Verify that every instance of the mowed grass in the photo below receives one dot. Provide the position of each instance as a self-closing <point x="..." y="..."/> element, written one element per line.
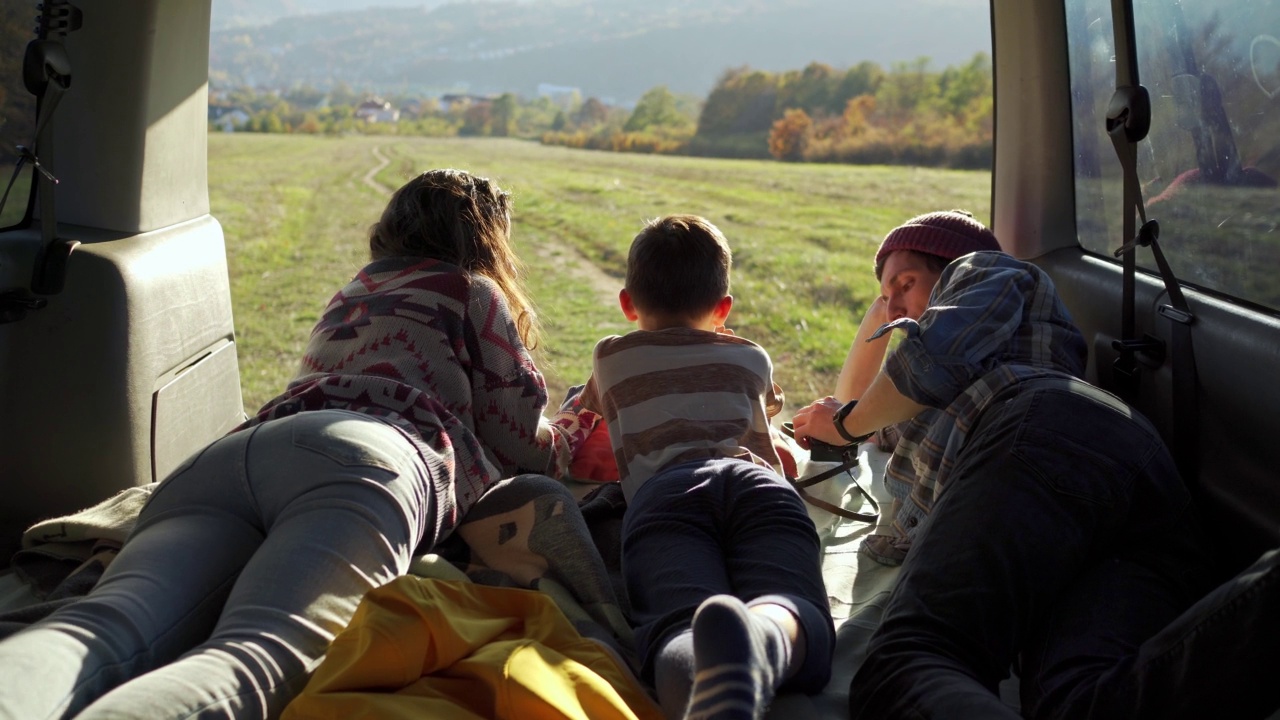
<point x="296" y="211"/>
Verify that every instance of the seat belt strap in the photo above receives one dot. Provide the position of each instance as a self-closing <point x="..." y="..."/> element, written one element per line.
<point x="46" y="72"/>
<point x="1127" y="123"/>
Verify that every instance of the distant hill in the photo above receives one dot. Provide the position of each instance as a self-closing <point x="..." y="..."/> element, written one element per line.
<point x="613" y="49"/>
<point x="248" y="13"/>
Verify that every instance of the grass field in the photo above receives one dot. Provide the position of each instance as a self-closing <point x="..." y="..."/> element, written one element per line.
<point x="296" y="210"/>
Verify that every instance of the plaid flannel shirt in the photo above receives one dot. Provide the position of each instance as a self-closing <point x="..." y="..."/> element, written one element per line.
<point x="993" y="322"/>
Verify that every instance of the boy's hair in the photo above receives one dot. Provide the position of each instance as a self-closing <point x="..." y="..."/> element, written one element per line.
<point x="678" y="266"/>
<point x="464" y="220"/>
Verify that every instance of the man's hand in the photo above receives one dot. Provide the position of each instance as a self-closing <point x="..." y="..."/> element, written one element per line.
<point x="877" y="313"/>
<point x="816" y="420"/>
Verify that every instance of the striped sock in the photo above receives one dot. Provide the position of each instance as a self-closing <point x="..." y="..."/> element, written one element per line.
<point x="739" y="660"/>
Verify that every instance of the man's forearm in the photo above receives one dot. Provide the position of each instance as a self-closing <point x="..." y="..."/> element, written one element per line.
<point x="865" y="356"/>
<point x="881" y="406"/>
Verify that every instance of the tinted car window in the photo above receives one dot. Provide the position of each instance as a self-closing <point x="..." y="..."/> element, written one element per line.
<point x="1210" y="165"/>
<point x="17" y="106"/>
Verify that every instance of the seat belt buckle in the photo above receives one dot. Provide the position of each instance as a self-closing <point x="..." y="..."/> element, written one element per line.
<point x="1176" y="315"/>
<point x="1150" y="347"/>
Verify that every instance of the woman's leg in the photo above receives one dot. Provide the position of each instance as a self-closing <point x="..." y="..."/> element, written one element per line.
<point x="343" y="500"/>
<point x="158" y="598"/>
<point x="340" y="499"/>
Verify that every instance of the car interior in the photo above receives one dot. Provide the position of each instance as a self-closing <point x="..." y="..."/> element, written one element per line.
<point x="1136" y="160"/>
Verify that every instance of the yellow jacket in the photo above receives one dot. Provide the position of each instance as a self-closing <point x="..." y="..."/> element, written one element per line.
<point x="424" y="648"/>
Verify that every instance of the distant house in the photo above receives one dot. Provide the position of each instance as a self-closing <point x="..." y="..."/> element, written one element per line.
<point x="377" y="111"/>
<point x="228" y="118"/>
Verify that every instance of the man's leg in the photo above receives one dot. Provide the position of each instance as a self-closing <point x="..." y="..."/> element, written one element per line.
<point x="1041" y="491"/>
<point x="1217" y="659"/>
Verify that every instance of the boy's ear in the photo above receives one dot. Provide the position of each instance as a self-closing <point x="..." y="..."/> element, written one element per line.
<point x="721" y="313"/>
<point x="628" y="307"/>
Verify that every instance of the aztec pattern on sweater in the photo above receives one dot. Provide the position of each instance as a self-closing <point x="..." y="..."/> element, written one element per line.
<point x="435" y="352"/>
<point x="675" y="395"/>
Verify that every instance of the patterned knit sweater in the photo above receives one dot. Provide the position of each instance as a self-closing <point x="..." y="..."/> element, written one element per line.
<point x="434" y="351"/>
<point x="676" y="395"/>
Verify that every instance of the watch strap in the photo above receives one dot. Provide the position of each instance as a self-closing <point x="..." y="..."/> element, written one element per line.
<point x="838" y="419"/>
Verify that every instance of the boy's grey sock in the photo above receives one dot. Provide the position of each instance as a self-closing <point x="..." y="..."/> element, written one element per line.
<point x="740" y="659"/>
<point x="673" y="674"/>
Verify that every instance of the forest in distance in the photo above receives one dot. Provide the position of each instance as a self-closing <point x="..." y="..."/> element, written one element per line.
<point x="908" y="113"/>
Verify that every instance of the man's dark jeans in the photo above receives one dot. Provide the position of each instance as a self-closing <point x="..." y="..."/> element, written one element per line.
<point x="1065" y="534"/>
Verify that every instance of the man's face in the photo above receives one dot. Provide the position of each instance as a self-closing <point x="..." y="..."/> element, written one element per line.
<point x="906" y="283"/>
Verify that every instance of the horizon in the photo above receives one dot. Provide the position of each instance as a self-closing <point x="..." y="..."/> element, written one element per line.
<point x="617" y="51"/>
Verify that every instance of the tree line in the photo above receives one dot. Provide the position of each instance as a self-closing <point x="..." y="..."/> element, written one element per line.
<point x="907" y="113"/>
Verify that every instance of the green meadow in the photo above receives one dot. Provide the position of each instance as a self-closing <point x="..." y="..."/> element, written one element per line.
<point x="296" y="211"/>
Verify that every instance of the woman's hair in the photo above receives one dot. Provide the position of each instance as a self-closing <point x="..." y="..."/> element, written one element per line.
<point x="458" y="218"/>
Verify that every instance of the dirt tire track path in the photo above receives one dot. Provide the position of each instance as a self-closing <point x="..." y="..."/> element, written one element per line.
<point x="371" y="178"/>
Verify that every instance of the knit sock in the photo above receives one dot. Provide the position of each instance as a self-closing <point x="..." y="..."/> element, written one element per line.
<point x="740" y="658"/>
<point x="673" y="674"/>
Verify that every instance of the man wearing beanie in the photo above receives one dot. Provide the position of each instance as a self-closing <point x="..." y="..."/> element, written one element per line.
<point x="1052" y="532"/>
<point x="908" y="264"/>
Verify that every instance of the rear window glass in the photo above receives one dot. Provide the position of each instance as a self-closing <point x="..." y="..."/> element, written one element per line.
<point x="1210" y="165"/>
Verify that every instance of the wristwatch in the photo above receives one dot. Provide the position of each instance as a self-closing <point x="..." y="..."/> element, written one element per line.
<point x="838" y="419"/>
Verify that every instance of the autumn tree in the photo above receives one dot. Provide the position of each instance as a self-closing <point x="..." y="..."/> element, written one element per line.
<point x="789" y="135"/>
<point x="477" y="119"/>
<point x="342" y="94"/>
<point x="813" y="90"/>
<point x="502" y="115"/>
<point x="906" y="89"/>
<point x="310" y="124"/>
<point x="742" y="101"/>
<point x="591" y="113"/>
<point x="657" y="108"/>
<point x="857" y="113"/>
<point x="861" y="79"/>
<point x="304" y="96"/>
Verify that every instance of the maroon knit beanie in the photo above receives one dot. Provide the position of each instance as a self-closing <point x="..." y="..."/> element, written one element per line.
<point x="947" y="234"/>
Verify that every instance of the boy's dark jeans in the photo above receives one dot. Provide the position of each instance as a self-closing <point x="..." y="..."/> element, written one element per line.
<point x="1065" y="533"/>
<point x="723" y="526"/>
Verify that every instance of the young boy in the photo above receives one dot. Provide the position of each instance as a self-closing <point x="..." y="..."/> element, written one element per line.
<point x="719" y="555"/>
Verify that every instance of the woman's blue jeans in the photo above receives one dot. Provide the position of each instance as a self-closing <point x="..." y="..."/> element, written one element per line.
<point x="243" y="566"/>
<point x="1065" y="540"/>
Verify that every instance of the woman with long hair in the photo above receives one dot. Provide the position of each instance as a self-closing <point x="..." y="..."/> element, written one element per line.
<point x="416" y="393"/>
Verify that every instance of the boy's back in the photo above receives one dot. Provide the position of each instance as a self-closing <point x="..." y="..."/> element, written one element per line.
<point x="679" y="394"/>
<point x="719" y="555"/>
